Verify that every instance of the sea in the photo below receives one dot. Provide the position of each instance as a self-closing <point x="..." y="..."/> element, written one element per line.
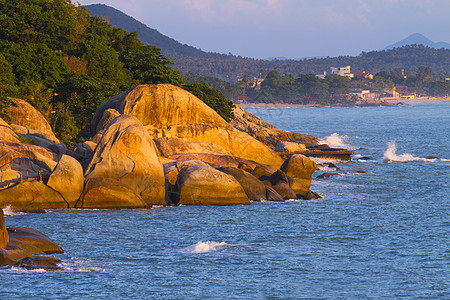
<point x="381" y="230"/>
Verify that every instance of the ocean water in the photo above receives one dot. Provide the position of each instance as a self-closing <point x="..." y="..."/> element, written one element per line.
<point x="379" y="234"/>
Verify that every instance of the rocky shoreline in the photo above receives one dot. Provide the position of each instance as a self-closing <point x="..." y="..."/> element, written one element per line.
<point x="152" y="145"/>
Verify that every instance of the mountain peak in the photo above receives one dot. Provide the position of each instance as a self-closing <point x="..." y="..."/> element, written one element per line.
<point x="418" y="39"/>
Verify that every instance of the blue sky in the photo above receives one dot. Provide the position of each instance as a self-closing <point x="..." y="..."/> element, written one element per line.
<point x="290" y="28"/>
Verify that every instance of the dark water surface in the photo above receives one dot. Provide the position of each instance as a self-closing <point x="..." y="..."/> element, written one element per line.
<point x="379" y="234"/>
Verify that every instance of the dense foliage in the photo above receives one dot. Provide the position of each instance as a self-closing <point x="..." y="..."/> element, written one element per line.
<point x="65" y="62"/>
<point x="213" y="98"/>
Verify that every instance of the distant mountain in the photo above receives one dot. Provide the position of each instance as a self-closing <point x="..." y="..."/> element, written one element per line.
<point x="418" y="39"/>
<point x="169" y="46"/>
<point x="230" y="67"/>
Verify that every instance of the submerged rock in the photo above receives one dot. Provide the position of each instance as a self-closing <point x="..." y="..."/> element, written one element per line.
<point x="326" y="175"/>
<point x="38" y="262"/>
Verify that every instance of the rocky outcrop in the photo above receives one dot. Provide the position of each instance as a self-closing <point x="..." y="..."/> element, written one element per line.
<point x="172" y="113"/>
<point x="267" y="133"/>
<point x="160" y="106"/>
<point x="300" y="168"/>
<point x="25" y="115"/>
<point x="67" y="179"/>
<point x="108" y="193"/>
<point x="206" y="186"/>
<point x="126" y="153"/>
<point x="234" y="142"/>
<point x="18" y="244"/>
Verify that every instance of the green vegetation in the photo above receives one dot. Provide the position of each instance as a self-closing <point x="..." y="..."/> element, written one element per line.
<point x="213" y="98"/>
<point x="65" y="62"/>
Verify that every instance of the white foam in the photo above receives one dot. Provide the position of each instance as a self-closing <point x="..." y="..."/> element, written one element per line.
<point x="8" y="211"/>
<point x="336" y="140"/>
<point x="205" y="247"/>
<point x="390" y="155"/>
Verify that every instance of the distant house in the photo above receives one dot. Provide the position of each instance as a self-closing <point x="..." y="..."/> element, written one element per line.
<point x="364" y="74"/>
<point x="363" y="94"/>
<point x="342" y="71"/>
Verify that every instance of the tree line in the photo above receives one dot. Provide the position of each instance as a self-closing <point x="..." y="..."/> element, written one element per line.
<point x="65" y="62"/>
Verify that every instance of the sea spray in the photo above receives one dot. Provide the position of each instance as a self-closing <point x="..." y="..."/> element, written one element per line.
<point x="335" y="140"/>
<point x="391" y="155"/>
<point x="204" y="247"/>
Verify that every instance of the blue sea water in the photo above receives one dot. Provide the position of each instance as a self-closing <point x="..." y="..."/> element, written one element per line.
<point x="379" y="234"/>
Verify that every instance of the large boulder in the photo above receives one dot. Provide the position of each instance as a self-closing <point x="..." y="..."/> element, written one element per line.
<point x="25" y="157"/>
<point x="172" y="169"/>
<point x="160" y="106"/>
<point x="4" y="237"/>
<point x="300" y="168"/>
<point x="224" y="161"/>
<point x="234" y="142"/>
<point x="284" y="191"/>
<point x="169" y="111"/>
<point x="23" y="114"/>
<point x="108" y="115"/>
<point x="127" y="154"/>
<point x="107" y="193"/>
<point x="67" y="179"/>
<point x="6" y="132"/>
<point x="198" y="185"/>
<point x="31" y="195"/>
<point x="254" y="189"/>
<point x="173" y="145"/>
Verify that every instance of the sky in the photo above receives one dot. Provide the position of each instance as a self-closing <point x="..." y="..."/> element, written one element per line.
<point x="290" y="28"/>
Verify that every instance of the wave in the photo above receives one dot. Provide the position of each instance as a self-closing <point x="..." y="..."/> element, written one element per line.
<point x="336" y="140"/>
<point x="8" y="211"/>
<point x="390" y="155"/>
<point x="205" y="247"/>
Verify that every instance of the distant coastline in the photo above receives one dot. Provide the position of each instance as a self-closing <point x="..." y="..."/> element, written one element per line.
<point x="390" y="101"/>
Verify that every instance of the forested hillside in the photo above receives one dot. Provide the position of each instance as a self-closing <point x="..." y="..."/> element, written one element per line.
<point x="65" y="62"/>
<point x="230" y="67"/>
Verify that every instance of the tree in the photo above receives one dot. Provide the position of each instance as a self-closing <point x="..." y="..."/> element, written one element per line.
<point x="213" y="98"/>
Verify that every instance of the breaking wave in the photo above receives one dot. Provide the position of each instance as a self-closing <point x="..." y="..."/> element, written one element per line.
<point x="205" y="247"/>
<point x="390" y="155"/>
<point x="8" y="211"/>
<point x="336" y="140"/>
